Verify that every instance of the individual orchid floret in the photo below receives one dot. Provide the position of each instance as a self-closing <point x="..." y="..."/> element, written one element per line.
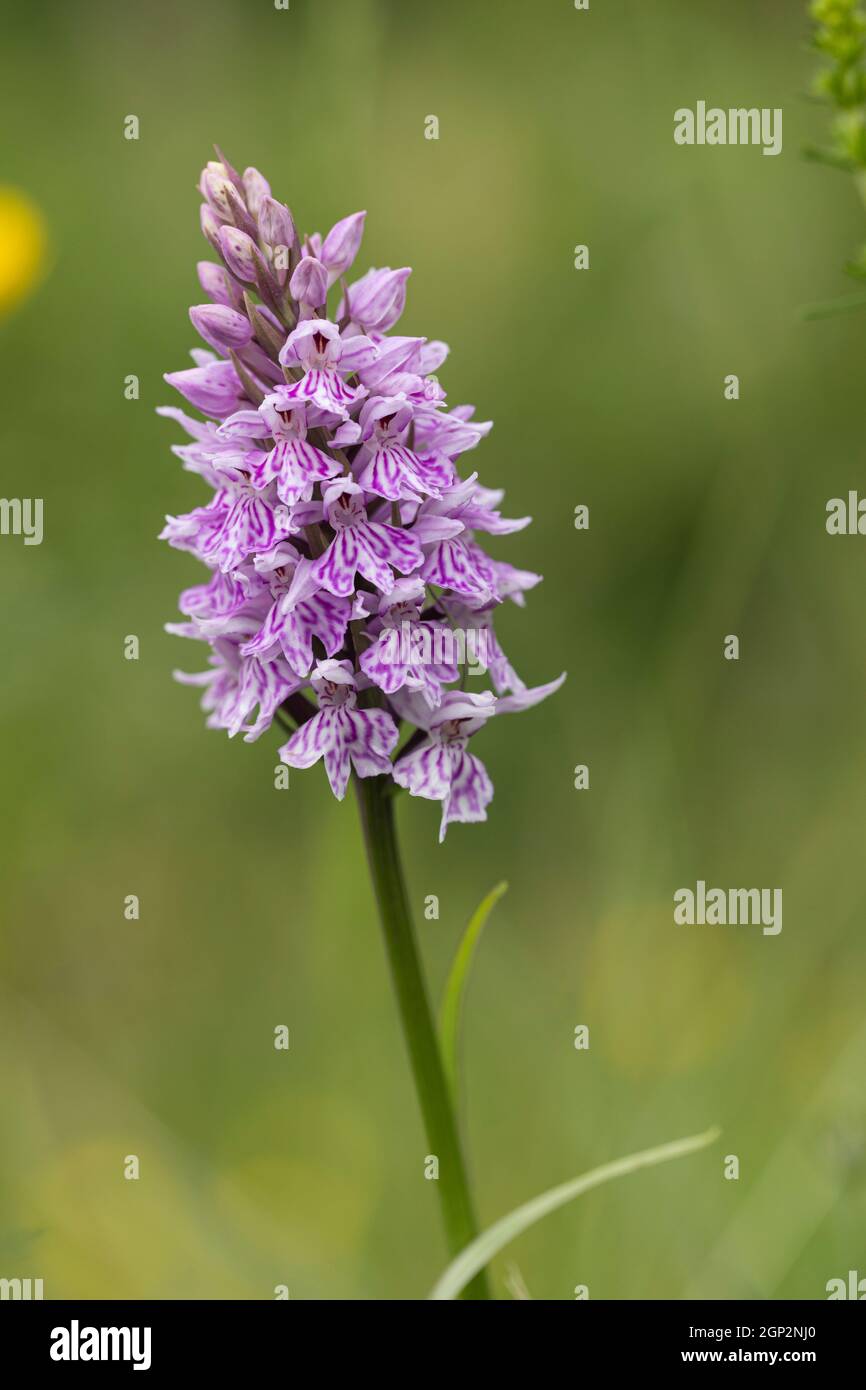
<point x="235" y="685"/>
<point x="275" y="223"/>
<point x="256" y="189"/>
<point x="198" y="456"/>
<point x="476" y="509"/>
<point x="452" y="559"/>
<point x="301" y="611"/>
<point x="294" y="465"/>
<point x="252" y="523"/>
<point x="239" y="521"/>
<point x="220" y="599"/>
<point x="392" y="373"/>
<point x="441" y="768"/>
<point x="277" y="232"/>
<point x="219" y="451"/>
<point x="326" y="358"/>
<point x="197" y="531"/>
<point x="408" y="651"/>
<point x="479" y="621"/>
<point x="449" y="434"/>
<point x="376" y="301"/>
<point x="223" y="190"/>
<point x="345" y="736"/>
<point x="431" y="356"/>
<point x="309" y="283"/>
<point x="385" y="466"/>
<point x="223" y="328"/>
<point x="341" y="245"/>
<point x="216" y="187"/>
<point x="219" y="286"/>
<point x="242" y="256"/>
<point x="369" y="548"/>
<point x="512" y="583"/>
<point x="211" y="226"/>
<point x="212" y="386"/>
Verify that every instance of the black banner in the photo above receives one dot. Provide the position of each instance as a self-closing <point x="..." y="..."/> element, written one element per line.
<point x="69" y="1338"/>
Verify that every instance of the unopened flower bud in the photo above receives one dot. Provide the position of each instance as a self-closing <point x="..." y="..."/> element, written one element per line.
<point x="212" y="170"/>
<point x="210" y="225"/>
<point x="220" y="326"/>
<point x="256" y="188"/>
<point x="218" y="285"/>
<point x="240" y="217"/>
<point x="229" y="171"/>
<point x="215" y="187"/>
<point x="309" y="283"/>
<point x="275" y="222"/>
<point x="240" y="253"/>
<point x="340" y="246"/>
<point x="376" y="301"/>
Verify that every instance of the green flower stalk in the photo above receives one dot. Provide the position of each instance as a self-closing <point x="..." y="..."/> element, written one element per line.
<point x="416" y="1016"/>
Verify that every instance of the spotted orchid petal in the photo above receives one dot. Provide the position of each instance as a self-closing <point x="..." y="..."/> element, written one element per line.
<point x="340" y="733"/>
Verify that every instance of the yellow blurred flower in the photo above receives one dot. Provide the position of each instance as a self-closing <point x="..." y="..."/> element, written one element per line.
<point x="23" y="247"/>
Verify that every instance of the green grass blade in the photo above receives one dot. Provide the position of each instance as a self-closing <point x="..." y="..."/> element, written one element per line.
<point x="502" y="1232"/>
<point x="455" y="988"/>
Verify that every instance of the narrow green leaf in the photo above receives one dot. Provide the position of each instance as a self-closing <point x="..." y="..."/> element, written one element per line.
<point x="482" y="1250"/>
<point x="455" y="988"/>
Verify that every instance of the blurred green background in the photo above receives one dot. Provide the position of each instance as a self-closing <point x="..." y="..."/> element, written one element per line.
<point x="707" y="517"/>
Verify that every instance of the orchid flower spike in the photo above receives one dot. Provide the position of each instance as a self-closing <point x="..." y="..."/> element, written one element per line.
<point x="350" y="596"/>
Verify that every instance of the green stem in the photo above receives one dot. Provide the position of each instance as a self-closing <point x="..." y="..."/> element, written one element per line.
<point x="377" y="817"/>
